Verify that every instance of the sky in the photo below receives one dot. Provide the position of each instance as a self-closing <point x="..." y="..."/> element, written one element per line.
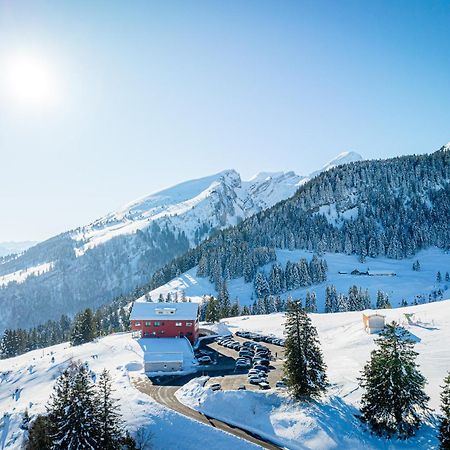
<point x="103" y="102"/>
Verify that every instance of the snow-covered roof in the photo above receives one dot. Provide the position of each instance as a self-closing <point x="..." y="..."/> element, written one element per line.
<point x="166" y="349"/>
<point x="164" y="311"/>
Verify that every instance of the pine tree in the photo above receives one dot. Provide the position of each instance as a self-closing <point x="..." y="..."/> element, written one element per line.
<point x="304" y="366"/>
<point x="447" y="277"/>
<point x="438" y="277"/>
<point x="212" y="313"/>
<point x="39" y="434"/>
<point x="85" y="328"/>
<point x="394" y="400"/>
<point x="310" y="302"/>
<point x="110" y="426"/>
<point x="444" y="428"/>
<point x="73" y="411"/>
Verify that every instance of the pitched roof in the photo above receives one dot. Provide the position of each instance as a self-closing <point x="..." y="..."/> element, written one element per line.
<point x="164" y="311"/>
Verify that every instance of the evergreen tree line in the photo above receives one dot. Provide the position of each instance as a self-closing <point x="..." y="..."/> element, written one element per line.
<point x="292" y="276"/>
<point x="415" y="215"/>
<point x="80" y="415"/>
<point x="85" y="326"/>
<point x="393" y="403"/>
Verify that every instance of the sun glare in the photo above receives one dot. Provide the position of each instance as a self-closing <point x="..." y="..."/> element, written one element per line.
<point x="29" y="81"/>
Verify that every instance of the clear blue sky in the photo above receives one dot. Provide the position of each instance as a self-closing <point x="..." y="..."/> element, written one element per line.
<point x="153" y="93"/>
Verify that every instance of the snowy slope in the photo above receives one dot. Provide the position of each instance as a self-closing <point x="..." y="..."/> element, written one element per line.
<point x="407" y="284"/>
<point x="33" y="374"/>
<point x="339" y="160"/>
<point x="90" y="265"/>
<point x="330" y="423"/>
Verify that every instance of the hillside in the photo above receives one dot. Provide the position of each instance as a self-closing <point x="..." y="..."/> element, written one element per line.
<point x="388" y="208"/>
<point x="406" y="285"/>
<point x="92" y="264"/>
<point x="330" y="423"/>
<point x="26" y="382"/>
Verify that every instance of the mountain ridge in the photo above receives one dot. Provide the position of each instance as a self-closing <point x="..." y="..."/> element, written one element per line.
<point x="109" y="257"/>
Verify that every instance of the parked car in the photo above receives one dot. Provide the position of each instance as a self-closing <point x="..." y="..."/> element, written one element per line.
<point x="261" y="367"/>
<point x="264" y="385"/>
<point x="255" y="380"/>
<point x="281" y="384"/>
<point x="243" y="364"/>
<point x="263" y="361"/>
<point x="216" y="387"/>
<point x="204" y="360"/>
<point x="242" y="387"/>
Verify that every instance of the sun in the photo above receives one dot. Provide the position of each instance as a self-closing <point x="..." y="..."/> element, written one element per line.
<point x="29" y="81"/>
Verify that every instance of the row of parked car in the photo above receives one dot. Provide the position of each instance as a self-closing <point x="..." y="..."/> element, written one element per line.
<point x="260" y="337"/>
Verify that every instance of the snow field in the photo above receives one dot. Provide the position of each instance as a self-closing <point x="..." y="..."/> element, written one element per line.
<point x="33" y="375"/>
<point x="331" y="422"/>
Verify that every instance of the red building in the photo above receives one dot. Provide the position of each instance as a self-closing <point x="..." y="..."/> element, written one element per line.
<point x="163" y="320"/>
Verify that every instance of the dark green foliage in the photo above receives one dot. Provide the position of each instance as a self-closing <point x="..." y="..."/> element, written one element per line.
<point x="81" y="415"/>
<point x="84" y="328"/>
<point x="110" y="426"/>
<point x="212" y="310"/>
<point x="444" y="428"/>
<point x="394" y="401"/>
<point x="304" y="367"/>
<point x="39" y="434"/>
<point x="73" y="410"/>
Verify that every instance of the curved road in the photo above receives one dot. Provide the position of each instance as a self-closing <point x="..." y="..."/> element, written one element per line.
<point x="165" y="395"/>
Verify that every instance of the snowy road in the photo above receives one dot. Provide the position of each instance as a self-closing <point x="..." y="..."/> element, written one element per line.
<point x="165" y="395"/>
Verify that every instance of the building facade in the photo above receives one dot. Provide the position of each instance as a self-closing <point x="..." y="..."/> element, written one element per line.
<point x="166" y="320"/>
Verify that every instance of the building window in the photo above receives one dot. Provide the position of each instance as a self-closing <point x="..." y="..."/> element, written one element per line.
<point x="147" y="324"/>
<point x="157" y="324"/>
<point x="137" y="324"/>
<point x="189" y="324"/>
<point x="178" y="324"/>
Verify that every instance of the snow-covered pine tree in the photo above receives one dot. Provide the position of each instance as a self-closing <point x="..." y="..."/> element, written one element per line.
<point x="262" y="287"/>
<point x="304" y="366"/>
<point x="342" y="303"/>
<point x="438" y="277"/>
<point x="311" y="302"/>
<point x="382" y="300"/>
<point x="444" y="428"/>
<point x="110" y="424"/>
<point x="73" y="411"/>
<point x="394" y="400"/>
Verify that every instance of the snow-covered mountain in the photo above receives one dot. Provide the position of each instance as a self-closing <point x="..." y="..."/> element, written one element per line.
<point x="339" y="160"/>
<point x="118" y="252"/>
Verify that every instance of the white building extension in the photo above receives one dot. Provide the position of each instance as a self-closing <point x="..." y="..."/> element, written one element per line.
<point x="169" y="355"/>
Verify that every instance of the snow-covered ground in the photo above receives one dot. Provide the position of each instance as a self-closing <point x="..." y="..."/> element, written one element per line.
<point x="330" y="423"/>
<point x="21" y="275"/>
<point x="407" y="284"/>
<point x="27" y="381"/>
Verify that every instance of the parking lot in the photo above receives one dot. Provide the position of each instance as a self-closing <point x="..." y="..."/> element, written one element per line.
<point x="239" y="377"/>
